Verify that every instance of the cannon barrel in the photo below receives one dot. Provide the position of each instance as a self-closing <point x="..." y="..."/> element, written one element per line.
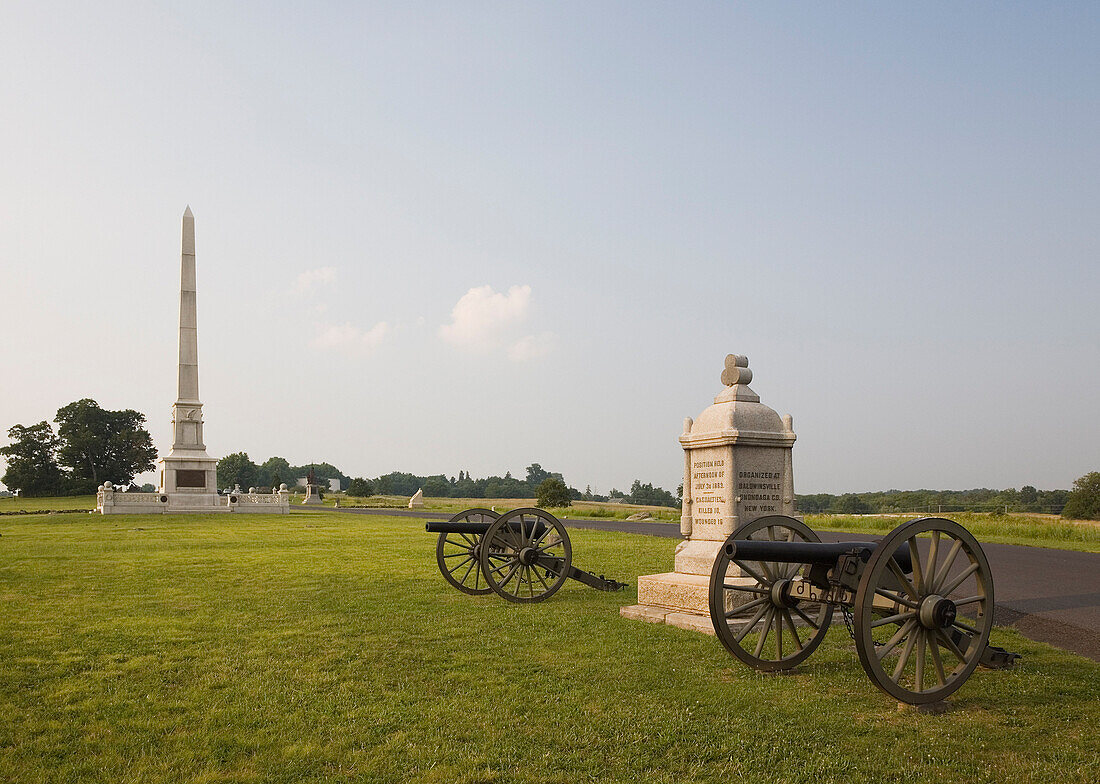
<point x="478" y="529"/>
<point x="457" y="528"/>
<point x="823" y="553"/>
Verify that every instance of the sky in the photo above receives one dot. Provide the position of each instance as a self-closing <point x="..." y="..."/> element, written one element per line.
<point x="435" y="237"/>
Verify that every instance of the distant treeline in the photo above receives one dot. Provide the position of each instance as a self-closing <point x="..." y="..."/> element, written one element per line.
<point x="466" y="486"/>
<point x="239" y="470"/>
<point x="1026" y="499"/>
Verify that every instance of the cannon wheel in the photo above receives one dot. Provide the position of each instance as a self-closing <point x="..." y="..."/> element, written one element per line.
<point x="458" y="555"/>
<point x="920" y="635"/>
<point x="510" y="548"/>
<point x="761" y="631"/>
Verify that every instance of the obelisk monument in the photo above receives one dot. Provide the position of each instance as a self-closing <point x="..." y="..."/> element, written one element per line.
<point x="189" y="476"/>
<point x="188" y="469"/>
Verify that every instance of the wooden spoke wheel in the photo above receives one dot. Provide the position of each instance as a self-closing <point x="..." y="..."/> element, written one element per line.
<point x="756" y="618"/>
<point x="459" y="555"/>
<point x="920" y="634"/>
<point x="526" y="555"/>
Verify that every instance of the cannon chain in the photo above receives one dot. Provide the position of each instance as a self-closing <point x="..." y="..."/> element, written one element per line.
<point x="919" y="604"/>
<point x="523" y="556"/>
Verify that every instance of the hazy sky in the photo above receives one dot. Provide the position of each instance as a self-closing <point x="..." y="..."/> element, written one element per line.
<point x="437" y="236"/>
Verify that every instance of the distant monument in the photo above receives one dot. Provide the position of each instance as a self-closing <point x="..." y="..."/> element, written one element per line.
<point x="188" y="475"/>
<point x="313" y="490"/>
<point x="417" y="501"/>
<point x="737" y="467"/>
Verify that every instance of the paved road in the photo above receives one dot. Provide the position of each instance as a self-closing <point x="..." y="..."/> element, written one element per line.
<point x="1049" y="595"/>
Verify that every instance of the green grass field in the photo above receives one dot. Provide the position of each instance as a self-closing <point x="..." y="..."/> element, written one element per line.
<point x="61" y="503"/>
<point x="1031" y="530"/>
<point x="326" y="647"/>
<point x="596" y="509"/>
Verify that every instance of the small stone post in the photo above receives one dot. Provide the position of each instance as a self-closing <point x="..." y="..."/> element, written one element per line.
<point x="105" y="498"/>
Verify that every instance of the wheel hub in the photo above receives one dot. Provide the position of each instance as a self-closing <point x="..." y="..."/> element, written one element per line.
<point x="780" y="594"/>
<point x="937" y="612"/>
<point x="528" y="555"/>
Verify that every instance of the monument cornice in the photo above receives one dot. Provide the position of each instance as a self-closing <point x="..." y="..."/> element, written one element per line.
<point x="734" y="436"/>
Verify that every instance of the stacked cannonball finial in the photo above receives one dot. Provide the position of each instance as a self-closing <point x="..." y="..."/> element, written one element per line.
<point x="737" y="370"/>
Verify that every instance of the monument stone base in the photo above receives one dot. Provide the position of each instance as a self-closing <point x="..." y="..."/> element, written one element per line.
<point x="682" y="598"/>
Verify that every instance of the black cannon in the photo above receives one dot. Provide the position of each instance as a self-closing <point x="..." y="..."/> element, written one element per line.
<point x="523" y="555"/>
<point x="919" y="604"/>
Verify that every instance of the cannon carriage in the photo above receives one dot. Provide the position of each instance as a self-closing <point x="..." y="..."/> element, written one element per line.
<point x="523" y="556"/>
<point x="919" y="603"/>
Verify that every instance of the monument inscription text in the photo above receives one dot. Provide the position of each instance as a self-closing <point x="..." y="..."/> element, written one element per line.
<point x="710" y="485"/>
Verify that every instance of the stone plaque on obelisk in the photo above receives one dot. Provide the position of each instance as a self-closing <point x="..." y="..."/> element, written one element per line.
<point x="737" y="467"/>
<point x="187" y="468"/>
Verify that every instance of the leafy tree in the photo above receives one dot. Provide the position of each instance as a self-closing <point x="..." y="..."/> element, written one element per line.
<point x="815" y="503"/>
<point x="1084" y="499"/>
<point x="361" y="487"/>
<point x="650" y="495"/>
<point x="98" y="445"/>
<point x="322" y="472"/>
<point x="276" y="471"/>
<point x="536" y="475"/>
<point x="436" y="487"/>
<point x="398" y="483"/>
<point x="552" y="492"/>
<point x="1029" y="498"/>
<point x="32" y="460"/>
<point x="850" y="503"/>
<point x="237" y="469"/>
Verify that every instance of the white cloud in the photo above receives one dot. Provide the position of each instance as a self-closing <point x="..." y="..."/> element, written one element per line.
<point x="482" y="318"/>
<point x="347" y="337"/>
<point x="532" y="347"/>
<point x="311" y="279"/>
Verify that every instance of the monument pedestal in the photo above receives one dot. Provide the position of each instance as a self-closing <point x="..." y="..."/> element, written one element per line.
<point x="682" y="598"/>
<point x="313" y="495"/>
<point x="737" y="467"/>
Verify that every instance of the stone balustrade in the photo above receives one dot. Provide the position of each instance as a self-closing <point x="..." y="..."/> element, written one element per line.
<point x="112" y="501"/>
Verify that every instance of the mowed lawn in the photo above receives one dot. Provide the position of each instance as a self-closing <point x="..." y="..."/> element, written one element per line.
<point x="326" y="647"/>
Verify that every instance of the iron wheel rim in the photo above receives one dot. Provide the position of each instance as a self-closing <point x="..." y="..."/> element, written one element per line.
<point x="928" y="647"/>
<point x="761" y="616"/>
<point x="458" y="555"/>
<point x="502" y="563"/>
